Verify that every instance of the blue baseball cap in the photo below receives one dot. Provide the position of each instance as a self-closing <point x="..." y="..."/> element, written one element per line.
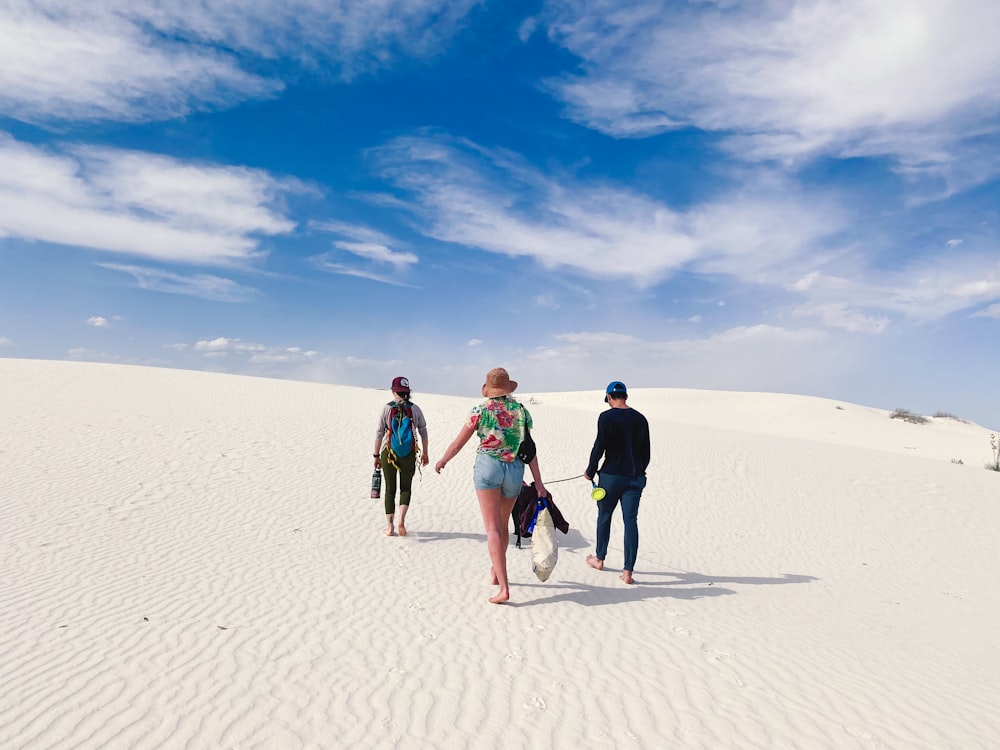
<point x="617" y="389"/>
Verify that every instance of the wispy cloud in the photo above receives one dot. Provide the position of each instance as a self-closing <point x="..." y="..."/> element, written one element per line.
<point x="371" y="245"/>
<point x="922" y="290"/>
<point x="70" y="61"/>
<point x="768" y="233"/>
<point x="205" y="286"/>
<point x="919" y="81"/>
<point x="139" y="204"/>
<point x="738" y="358"/>
<point x="993" y="311"/>
<point x="252" y="353"/>
<point x="4" y="341"/>
<point x="492" y="200"/>
<point x="377" y="253"/>
<point x="325" y="263"/>
<point x="147" y="59"/>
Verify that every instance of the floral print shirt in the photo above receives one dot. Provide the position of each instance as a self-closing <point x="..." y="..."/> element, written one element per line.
<point x="500" y="424"/>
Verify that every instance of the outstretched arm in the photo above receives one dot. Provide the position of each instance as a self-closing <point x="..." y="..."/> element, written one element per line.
<point x="456" y="445"/>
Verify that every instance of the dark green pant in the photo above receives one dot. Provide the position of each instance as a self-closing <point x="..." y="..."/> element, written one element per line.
<point x="407" y="468"/>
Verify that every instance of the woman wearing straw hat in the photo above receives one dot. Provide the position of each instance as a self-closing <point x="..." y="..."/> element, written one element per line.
<point x="500" y="422"/>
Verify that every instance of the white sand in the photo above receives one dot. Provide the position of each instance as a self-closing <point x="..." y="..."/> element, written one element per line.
<point x="191" y="560"/>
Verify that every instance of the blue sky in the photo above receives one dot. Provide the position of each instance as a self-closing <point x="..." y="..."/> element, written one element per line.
<point x="783" y="196"/>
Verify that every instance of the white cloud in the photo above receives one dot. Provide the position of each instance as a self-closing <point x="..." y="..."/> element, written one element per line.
<point x="993" y="311"/>
<point x="491" y="200"/>
<point x="475" y="342"/>
<point x="377" y="253"/>
<point x="356" y="232"/>
<point x="205" y="286"/>
<point x="98" y="322"/>
<point x="82" y="62"/>
<point x="923" y="290"/>
<point x="251" y="353"/>
<point x="4" y="341"/>
<point x="324" y="263"/>
<point x="739" y="358"/>
<point x="368" y="244"/>
<point x="527" y="28"/>
<point x="151" y="59"/>
<point x="789" y="80"/>
<point x="835" y="315"/>
<point x="138" y="203"/>
<point x="771" y="234"/>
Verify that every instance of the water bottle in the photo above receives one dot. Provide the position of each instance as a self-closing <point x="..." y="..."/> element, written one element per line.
<point x="376" y="484"/>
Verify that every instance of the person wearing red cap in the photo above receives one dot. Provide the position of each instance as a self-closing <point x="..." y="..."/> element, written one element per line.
<point x="501" y="423"/>
<point x="393" y="463"/>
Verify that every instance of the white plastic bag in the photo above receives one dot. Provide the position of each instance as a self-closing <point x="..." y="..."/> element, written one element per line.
<point x="544" y="550"/>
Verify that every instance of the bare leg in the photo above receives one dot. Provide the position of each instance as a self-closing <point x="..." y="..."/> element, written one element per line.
<point x="496" y="510"/>
<point x="402" y="519"/>
<point x="595" y="562"/>
<point x="390" y="531"/>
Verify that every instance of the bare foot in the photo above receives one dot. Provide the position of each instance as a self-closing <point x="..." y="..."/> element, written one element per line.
<point x="390" y="532"/>
<point x="627" y="577"/>
<point x="501" y="597"/>
<point x="595" y="563"/>
<point x="402" y="530"/>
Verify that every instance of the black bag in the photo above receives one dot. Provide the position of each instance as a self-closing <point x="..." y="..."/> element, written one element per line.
<point x="527" y="497"/>
<point x="526" y="451"/>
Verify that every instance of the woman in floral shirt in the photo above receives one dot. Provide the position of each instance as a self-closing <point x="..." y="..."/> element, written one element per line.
<point x="501" y="423"/>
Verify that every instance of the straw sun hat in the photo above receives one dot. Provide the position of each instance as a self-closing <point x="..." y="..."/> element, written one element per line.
<point x="498" y="383"/>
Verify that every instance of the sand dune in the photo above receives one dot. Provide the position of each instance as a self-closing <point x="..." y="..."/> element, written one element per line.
<point x="190" y="560"/>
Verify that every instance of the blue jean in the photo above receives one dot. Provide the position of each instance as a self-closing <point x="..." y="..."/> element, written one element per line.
<point x="628" y="491"/>
<point x="490" y="473"/>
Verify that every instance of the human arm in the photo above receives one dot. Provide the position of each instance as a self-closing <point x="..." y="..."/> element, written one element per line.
<point x="421" y="424"/>
<point x="597" y="451"/>
<point x="380" y="436"/>
<point x="452" y="450"/>
<point x="536" y="474"/>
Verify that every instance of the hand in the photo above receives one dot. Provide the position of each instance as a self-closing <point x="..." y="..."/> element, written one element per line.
<point x="440" y="465"/>
<point x="425" y="459"/>
<point x="588" y="478"/>
<point x="540" y="490"/>
<point x="378" y="463"/>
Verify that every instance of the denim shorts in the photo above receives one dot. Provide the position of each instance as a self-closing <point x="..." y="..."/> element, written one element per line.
<point x="490" y="473"/>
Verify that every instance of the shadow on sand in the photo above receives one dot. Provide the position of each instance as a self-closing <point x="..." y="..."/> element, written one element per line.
<point x="684" y="585"/>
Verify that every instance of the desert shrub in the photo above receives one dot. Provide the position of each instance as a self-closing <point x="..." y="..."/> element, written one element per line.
<point x="908" y="416"/>
<point x="995" y="447"/>
<point x="957" y="461"/>
<point x="946" y="415"/>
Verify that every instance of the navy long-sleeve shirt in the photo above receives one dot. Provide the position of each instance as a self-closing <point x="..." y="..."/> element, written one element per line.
<point x="623" y="440"/>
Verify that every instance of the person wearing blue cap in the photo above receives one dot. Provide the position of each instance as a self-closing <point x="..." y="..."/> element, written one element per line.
<point x="623" y="441"/>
